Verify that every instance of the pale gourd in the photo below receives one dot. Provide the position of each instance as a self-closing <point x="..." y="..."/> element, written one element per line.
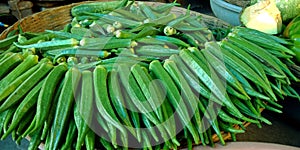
<point x="263" y="16"/>
<point x="288" y="8"/>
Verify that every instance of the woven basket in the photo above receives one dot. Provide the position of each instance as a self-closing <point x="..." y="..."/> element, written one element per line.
<point x="56" y="18"/>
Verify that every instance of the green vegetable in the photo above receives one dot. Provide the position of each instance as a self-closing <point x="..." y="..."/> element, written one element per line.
<point x="199" y="69"/>
<point x="47" y="93"/>
<point x="9" y="63"/>
<point x="65" y="34"/>
<point x="28" y="62"/>
<point x="8" y="118"/>
<point x="50" y="44"/>
<point x="71" y="134"/>
<point x="134" y="115"/>
<point x="25" y="86"/>
<point x="8" y="41"/>
<point x="193" y="80"/>
<point x="90" y="140"/>
<point x="97" y="7"/>
<point x="64" y="105"/>
<point x="102" y="100"/>
<point x="49" y="121"/>
<point x="174" y="96"/>
<point x="35" y="140"/>
<point x="135" y="93"/>
<point x="250" y="60"/>
<point x="189" y="97"/>
<point x="117" y="99"/>
<point x="85" y="107"/>
<point x="155" y="51"/>
<point x="16" y="134"/>
<point x="292" y="27"/>
<point x="111" y="19"/>
<point x="24" y="107"/>
<point x="221" y="69"/>
<point x="262" y="40"/>
<point x="171" y="40"/>
<point x="296" y="39"/>
<point x="296" y="50"/>
<point x="104" y="43"/>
